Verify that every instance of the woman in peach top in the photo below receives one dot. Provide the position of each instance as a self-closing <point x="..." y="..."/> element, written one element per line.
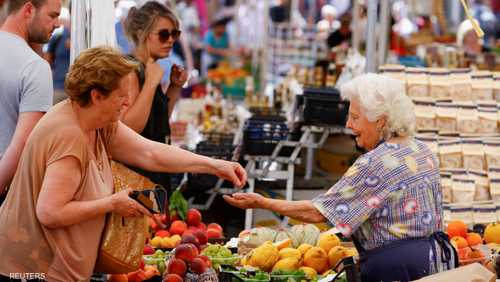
<point x="52" y="220"/>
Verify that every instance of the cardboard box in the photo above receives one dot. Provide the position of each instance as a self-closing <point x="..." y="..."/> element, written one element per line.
<point x="470" y="273"/>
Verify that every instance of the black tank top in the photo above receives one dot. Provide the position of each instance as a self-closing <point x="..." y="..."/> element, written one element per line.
<point x="157" y="127"/>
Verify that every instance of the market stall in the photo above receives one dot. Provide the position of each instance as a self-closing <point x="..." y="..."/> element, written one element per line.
<point x="275" y="107"/>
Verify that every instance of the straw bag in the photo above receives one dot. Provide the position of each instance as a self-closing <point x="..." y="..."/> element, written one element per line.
<point x="123" y="239"/>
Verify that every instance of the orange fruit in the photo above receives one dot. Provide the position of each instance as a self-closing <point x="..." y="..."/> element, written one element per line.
<point x="460" y="242"/>
<point x="457" y="228"/>
<point x="462" y="253"/>
<point x="474" y="254"/>
<point x="474" y="239"/>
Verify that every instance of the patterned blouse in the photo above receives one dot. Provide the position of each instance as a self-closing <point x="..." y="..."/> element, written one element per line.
<point x="392" y="192"/>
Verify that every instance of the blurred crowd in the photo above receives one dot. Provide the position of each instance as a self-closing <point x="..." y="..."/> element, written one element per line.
<point x="217" y="30"/>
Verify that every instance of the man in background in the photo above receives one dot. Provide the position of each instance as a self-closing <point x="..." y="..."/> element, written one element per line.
<point x="58" y="55"/>
<point x="3" y="11"/>
<point x="25" y="79"/>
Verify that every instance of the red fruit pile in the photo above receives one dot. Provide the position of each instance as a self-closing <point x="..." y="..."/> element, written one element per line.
<point x="192" y="231"/>
<point x="186" y="257"/>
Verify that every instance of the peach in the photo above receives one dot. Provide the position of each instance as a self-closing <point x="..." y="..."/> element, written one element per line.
<point x="202" y="236"/>
<point x="186" y="252"/>
<point x="162" y="233"/>
<point x="190" y="238"/>
<point x="172" y="278"/>
<point x="178" y="227"/>
<point x="187" y="232"/>
<point x="214" y="233"/>
<point x="198" y="265"/>
<point x="193" y="217"/>
<point x="215" y="226"/>
<point x="202" y="226"/>
<point x="148" y="250"/>
<point x="207" y="260"/>
<point x="177" y="266"/>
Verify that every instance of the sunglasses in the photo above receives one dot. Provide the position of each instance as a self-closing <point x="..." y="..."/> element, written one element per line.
<point x="165" y="34"/>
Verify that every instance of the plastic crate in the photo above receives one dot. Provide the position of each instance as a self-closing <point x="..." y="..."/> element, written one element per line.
<point x="324" y="106"/>
<point x="262" y="134"/>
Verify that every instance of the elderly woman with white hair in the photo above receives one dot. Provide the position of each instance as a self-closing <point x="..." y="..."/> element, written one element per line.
<point x="468" y="40"/>
<point x="389" y="202"/>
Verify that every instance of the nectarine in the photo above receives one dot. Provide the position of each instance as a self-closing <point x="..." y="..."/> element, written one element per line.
<point x="178" y="227"/>
<point x="177" y="266"/>
<point x="198" y="265"/>
<point x="172" y="278"/>
<point x="193" y="217"/>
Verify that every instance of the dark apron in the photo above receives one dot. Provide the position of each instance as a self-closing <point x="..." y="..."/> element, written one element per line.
<point x="405" y="260"/>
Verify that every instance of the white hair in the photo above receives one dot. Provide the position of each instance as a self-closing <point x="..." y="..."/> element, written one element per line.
<point x="328" y="10"/>
<point x="382" y="96"/>
<point x="463" y="29"/>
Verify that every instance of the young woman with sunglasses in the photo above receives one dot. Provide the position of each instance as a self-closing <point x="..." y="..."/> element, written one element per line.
<point x="153" y="28"/>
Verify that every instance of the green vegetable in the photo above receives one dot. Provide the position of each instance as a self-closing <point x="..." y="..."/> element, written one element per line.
<point x="178" y="205"/>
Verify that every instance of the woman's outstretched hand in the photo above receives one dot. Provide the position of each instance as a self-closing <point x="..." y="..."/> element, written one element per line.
<point x="246" y="200"/>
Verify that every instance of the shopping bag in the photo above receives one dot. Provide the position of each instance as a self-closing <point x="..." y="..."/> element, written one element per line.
<point x="123" y="239"/>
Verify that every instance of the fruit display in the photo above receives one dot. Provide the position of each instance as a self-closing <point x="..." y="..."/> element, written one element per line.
<point x="310" y="259"/>
<point x="174" y="245"/>
<point x="469" y="245"/>
<point x="179" y="227"/>
<point x="186" y="259"/>
<point x="225" y="73"/>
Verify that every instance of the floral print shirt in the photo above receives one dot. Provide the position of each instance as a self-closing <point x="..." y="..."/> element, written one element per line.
<point x="390" y="193"/>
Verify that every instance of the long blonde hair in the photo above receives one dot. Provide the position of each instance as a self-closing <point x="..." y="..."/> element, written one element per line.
<point x="140" y="22"/>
